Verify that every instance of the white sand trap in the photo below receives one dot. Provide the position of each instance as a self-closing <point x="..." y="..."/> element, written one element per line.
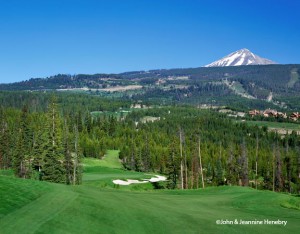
<point x="157" y="178"/>
<point x="128" y="182"/>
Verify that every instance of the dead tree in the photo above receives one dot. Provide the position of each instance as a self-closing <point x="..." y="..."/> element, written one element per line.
<point x="200" y="162"/>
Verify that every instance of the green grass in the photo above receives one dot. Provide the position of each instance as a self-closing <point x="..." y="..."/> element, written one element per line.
<point x="16" y="193"/>
<point x="110" y="159"/>
<point x="279" y="125"/>
<point x="116" y="114"/>
<point x="101" y="172"/>
<point x="28" y="206"/>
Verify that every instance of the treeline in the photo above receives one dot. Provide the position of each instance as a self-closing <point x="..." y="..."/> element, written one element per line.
<point x="44" y="135"/>
<point x="232" y="154"/>
<point x="48" y="145"/>
<point x="68" y="102"/>
<point x="42" y="146"/>
<point x="271" y="77"/>
<point x="61" y="81"/>
<point x="203" y="93"/>
<point x="204" y="85"/>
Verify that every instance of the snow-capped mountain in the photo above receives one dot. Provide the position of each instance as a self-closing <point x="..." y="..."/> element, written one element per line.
<point x="240" y="57"/>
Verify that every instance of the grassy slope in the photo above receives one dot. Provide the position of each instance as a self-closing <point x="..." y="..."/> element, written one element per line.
<point x="101" y="173"/>
<point x="111" y="160"/>
<point x="39" y="207"/>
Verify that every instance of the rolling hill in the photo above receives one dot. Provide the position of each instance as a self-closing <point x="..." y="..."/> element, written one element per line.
<point x="29" y="206"/>
<point x="269" y="86"/>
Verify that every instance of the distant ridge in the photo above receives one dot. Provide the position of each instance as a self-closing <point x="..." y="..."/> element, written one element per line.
<point x="241" y="57"/>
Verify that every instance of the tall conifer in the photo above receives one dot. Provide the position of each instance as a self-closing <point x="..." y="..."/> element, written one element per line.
<point x="53" y="169"/>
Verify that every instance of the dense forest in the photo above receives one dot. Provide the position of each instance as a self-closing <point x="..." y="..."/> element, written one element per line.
<point x="46" y="138"/>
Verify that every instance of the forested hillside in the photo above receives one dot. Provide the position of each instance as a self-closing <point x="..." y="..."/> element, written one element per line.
<point x="269" y="86"/>
<point x="46" y="140"/>
<point x="274" y="77"/>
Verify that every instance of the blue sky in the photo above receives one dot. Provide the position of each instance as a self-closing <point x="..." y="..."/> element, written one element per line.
<point x="44" y="38"/>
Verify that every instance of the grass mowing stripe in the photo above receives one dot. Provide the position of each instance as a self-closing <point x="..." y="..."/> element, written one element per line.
<point x="91" y="208"/>
<point x="29" y="218"/>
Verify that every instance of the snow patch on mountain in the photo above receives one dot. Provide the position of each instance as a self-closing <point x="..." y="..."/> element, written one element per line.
<point x="240" y="57"/>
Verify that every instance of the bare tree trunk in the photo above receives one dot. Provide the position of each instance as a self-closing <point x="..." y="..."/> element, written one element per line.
<point x="186" y="171"/>
<point x="197" y="179"/>
<point x="192" y="175"/>
<point x="181" y="158"/>
<point x="244" y="164"/>
<point x="288" y="165"/>
<point x="273" y="188"/>
<point x="200" y="162"/>
<point x="76" y="155"/>
<point x="256" y="160"/>
<point x="53" y="125"/>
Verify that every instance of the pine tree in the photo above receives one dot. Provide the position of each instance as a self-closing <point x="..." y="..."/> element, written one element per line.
<point x="219" y="169"/>
<point x="244" y="165"/>
<point x="67" y="155"/>
<point x="22" y="160"/>
<point x="181" y="158"/>
<point x="172" y="168"/>
<point x="278" y="170"/>
<point x="200" y="163"/>
<point x="288" y="164"/>
<point x="5" y="156"/>
<point x="146" y="155"/>
<point x="298" y="169"/>
<point x="77" y="168"/>
<point x="256" y="160"/>
<point x="219" y="173"/>
<point x="38" y="151"/>
<point x="53" y="170"/>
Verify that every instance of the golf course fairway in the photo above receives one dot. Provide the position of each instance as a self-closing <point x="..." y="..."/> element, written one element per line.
<point x="96" y="206"/>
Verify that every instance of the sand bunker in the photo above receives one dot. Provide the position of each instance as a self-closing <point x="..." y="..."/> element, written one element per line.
<point x="157" y="178"/>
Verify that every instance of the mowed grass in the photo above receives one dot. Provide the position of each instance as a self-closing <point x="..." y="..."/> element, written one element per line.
<point x="276" y="125"/>
<point x="39" y="207"/>
<point x="110" y="159"/>
<point x="100" y="173"/>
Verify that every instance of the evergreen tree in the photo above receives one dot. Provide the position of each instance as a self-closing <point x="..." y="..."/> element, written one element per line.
<point x="231" y="174"/>
<point x="67" y="155"/>
<point x="53" y="169"/>
<point x="38" y="152"/>
<point x="219" y="173"/>
<point x="5" y="156"/>
<point x="172" y="167"/>
<point x="200" y="163"/>
<point x="219" y="169"/>
<point x="244" y="165"/>
<point x="278" y="170"/>
<point x="22" y="159"/>
<point x="146" y="155"/>
<point x="77" y="167"/>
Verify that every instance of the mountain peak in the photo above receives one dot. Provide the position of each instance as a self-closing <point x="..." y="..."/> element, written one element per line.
<point x="240" y="57"/>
